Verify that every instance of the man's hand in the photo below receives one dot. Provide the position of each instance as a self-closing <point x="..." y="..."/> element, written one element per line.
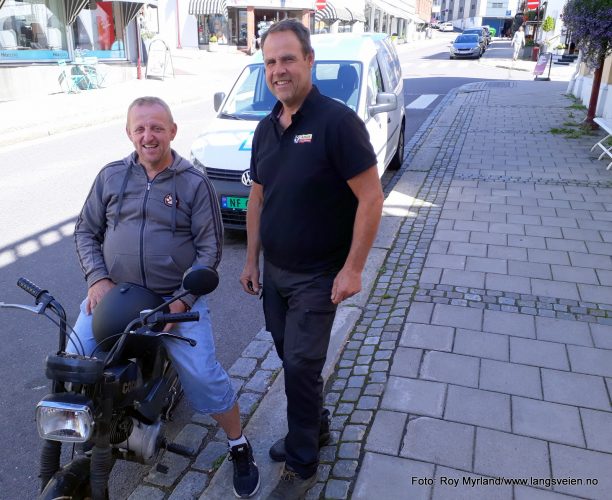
<point x="96" y="292"/>
<point x="249" y="279"/>
<point x="178" y="306"/>
<point x="346" y="284"/>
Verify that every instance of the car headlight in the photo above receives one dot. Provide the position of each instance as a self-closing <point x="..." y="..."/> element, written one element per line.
<point x="65" y="417"/>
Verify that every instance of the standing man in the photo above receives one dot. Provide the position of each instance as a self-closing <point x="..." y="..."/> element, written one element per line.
<point x="314" y="207"/>
<point x="146" y="220"/>
<point x="518" y="41"/>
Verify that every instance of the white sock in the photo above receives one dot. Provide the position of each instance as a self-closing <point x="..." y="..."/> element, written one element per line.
<point x="236" y="442"/>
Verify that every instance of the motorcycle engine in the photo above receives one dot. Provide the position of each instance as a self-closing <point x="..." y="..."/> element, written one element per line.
<point x="140" y="442"/>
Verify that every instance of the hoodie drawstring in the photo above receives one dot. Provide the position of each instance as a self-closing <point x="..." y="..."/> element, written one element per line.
<point x="175" y="202"/>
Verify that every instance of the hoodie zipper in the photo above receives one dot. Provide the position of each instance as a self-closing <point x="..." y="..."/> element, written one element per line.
<point x="142" y="228"/>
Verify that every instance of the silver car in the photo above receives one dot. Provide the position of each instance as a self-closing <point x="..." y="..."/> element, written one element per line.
<point x="466" y="46"/>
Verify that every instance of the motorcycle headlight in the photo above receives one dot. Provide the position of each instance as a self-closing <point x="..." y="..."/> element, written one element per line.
<point x="67" y="419"/>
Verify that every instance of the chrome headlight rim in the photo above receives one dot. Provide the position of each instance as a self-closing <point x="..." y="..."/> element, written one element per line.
<point x="65" y="421"/>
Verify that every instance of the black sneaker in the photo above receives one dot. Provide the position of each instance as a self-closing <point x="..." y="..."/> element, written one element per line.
<point x="246" y="473"/>
<point x="277" y="450"/>
<point x="292" y="486"/>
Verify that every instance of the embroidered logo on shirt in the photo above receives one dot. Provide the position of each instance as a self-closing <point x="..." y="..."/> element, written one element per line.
<point x="169" y="200"/>
<point x="302" y="139"/>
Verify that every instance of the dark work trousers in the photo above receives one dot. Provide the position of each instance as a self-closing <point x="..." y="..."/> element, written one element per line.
<point x="299" y="314"/>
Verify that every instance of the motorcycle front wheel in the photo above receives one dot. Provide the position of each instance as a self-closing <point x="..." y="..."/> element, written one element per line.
<point x="69" y="483"/>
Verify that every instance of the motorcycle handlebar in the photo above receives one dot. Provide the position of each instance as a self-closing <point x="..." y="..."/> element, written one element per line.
<point x="34" y="290"/>
<point x="179" y="317"/>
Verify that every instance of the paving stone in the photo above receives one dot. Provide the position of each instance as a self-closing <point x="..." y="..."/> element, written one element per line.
<point x="243" y="367"/>
<point x="481" y="344"/>
<point x="349" y="450"/>
<point x="486" y="264"/>
<point x="538" y="353"/>
<point x="453" y="484"/>
<point x="591" y="361"/>
<point x="597" y="429"/>
<point x="328" y="454"/>
<point x="447" y="367"/>
<point x="508" y="323"/>
<point x="344" y="409"/>
<point x="559" y="330"/>
<point x="575" y="389"/>
<point x="345" y="468"/>
<point x="247" y="402"/>
<point x="382" y="473"/>
<point x="175" y="466"/>
<point x="190" y="486"/>
<point x="515" y="240"/>
<point x="147" y="493"/>
<point x="191" y="435"/>
<point x="351" y="394"/>
<point x="210" y="455"/>
<point x="419" y="313"/>
<point x="478" y="407"/>
<point x="567" y="461"/>
<point x="337" y="423"/>
<point x="548" y="421"/>
<point x="595" y="293"/>
<point x="445" y="261"/>
<point x="462" y="278"/>
<point x="576" y="275"/>
<point x="602" y="335"/>
<point x="526" y="493"/>
<point x="552" y="288"/>
<point x="454" y="316"/>
<point x="427" y="336"/>
<point x="353" y="433"/>
<point x="502" y="454"/>
<point x="439" y="442"/>
<point x="507" y="283"/>
<point x="499" y="239"/>
<point x="467" y="249"/>
<point x="337" y="489"/>
<point x="386" y="432"/>
<point x="260" y="381"/>
<point x="414" y="396"/>
<point x="368" y="403"/>
<point x="203" y="419"/>
<point x="257" y="349"/>
<point x="580" y="259"/>
<point x="361" y="417"/>
<point x="510" y="378"/>
<point x="529" y="269"/>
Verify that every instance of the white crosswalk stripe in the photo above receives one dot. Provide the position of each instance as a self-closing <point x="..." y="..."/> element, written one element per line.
<point x="422" y="101"/>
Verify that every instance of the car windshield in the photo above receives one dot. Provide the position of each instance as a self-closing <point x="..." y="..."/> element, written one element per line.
<point x="467" y="39"/>
<point x="250" y="98"/>
<point x="472" y="32"/>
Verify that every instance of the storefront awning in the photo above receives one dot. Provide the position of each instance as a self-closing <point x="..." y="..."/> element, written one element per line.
<point x="206" y="7"/>
<point x="1" y="3"/>
<point x="332" y="12"/>
<point x="357" y="15"/>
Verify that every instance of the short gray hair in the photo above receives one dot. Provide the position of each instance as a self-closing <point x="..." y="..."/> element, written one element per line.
<point x="151" y="101"/>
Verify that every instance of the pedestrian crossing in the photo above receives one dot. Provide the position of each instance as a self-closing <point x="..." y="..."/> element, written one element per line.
<point x="423" y="101"/>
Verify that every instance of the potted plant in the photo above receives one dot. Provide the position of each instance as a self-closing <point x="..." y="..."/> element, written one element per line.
<point x="559" y="49"/>
<point x="212" y="43"/>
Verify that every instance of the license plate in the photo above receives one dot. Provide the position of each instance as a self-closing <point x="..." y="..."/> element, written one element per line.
<point x="234" y="202"/>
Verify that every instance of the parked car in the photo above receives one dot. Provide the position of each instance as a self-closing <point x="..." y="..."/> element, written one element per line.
<point x="362" y="70"/>
<point x="480" y="33"/>
<point x="482" y="29"/>
<point x="466" y="46"/>
<point x="492" y="31"/>
<point x="448" y="26"/>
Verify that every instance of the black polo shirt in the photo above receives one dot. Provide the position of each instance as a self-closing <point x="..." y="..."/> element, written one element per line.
<point x="308" y="207"/>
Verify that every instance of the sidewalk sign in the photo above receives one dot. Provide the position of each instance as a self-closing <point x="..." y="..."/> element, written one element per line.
<point x="158" y="59"/>
<point x="540" y="66"/>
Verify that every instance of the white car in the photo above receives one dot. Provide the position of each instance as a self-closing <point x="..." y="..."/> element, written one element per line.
<point x="448" y="26"/>
<point x="362" y="70"/>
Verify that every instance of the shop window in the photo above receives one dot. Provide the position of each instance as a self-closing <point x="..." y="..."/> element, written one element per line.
<point x="32" y="30"/>
<point x="100" y="32"/>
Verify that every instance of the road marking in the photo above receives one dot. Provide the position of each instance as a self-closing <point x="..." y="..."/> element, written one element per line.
<point x="423" y="101"/>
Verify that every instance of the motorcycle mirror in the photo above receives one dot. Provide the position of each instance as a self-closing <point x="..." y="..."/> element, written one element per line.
<point x="200" y="280"/>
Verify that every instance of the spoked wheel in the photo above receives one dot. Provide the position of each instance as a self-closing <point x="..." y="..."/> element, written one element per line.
<point x="70" y="483"/>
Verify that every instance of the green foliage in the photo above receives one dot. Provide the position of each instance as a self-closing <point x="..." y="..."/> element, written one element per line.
<point x="548" y="24"/>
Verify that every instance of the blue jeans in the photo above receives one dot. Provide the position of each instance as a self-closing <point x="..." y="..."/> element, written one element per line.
<point x="205" y="382"/>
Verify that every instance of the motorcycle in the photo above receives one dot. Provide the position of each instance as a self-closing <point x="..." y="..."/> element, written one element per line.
<point x="113" y="403"/>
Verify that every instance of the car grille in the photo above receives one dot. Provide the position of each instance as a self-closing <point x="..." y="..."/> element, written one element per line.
<point x="221" y="174"/>
<point x="233" y="217"/>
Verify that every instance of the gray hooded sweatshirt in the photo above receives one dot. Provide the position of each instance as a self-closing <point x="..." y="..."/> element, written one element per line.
<point x="149" y="232"/>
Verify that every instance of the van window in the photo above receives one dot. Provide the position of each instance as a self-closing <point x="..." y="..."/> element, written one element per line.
<point x="375" y="82"/>
<point x="250" y="97"/>
<point x="338" y="80"/>
<point x="390" y="64"/>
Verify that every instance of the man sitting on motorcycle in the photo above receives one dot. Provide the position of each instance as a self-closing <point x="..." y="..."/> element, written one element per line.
<point x="147" y="219"/>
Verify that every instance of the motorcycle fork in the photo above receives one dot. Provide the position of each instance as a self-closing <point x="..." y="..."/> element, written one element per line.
<point x="101" y="454"/>
<point x="51" y="450"/>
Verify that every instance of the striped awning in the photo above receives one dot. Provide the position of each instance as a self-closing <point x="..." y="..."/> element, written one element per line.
<point x="206" y="7"/>
<point x="332" y="13"/>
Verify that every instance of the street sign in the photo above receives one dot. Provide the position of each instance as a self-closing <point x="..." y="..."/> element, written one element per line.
<point x="532" y="4"/>
<point x="320" y="4"/>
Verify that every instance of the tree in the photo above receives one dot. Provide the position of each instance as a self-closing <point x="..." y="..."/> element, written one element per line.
<point x="548" y="24"/>
<point x="590" y="22"/>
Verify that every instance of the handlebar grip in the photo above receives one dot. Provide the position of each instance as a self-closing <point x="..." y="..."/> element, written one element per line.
<point x="31" y="288"/>
<point x="180" y="317"/>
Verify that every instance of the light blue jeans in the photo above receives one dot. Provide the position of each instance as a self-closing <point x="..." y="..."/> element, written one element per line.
<point x="205" y="382"/>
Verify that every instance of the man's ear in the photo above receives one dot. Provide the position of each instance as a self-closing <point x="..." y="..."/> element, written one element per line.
<point x="174" y="131"/>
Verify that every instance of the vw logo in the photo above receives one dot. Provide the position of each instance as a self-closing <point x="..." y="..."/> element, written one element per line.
<point x="246" y="178"/>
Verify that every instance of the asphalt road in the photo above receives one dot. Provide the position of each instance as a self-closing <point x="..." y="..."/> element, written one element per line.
<point x="44" y="184"/>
